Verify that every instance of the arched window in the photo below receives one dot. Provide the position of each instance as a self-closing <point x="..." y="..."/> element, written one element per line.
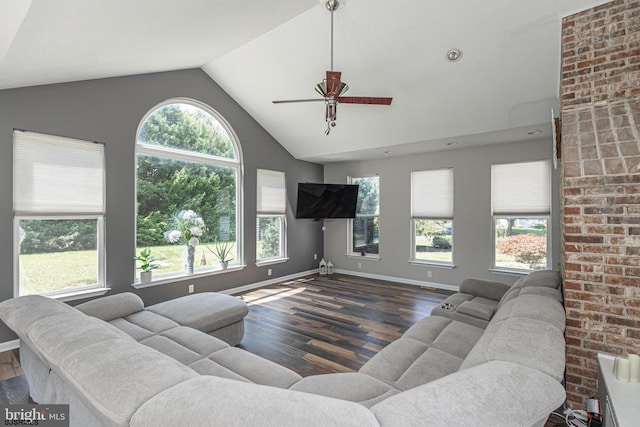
<point x="189" y="183"/>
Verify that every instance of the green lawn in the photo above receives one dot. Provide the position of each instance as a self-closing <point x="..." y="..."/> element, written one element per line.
<point x="59" y="271"/>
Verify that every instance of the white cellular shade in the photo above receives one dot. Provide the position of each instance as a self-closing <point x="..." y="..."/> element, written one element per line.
<point x="272" y="192"/>
<point x="522" y="188"/>
<point x="57" y="175"/>
<point x="432" y="194"/>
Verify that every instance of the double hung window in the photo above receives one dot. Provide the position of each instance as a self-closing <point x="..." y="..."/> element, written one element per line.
<point x="59" y="208"/>
<point x="271" y="216"/>
<point x="521" y="209"/>
<point x="432" y="216"/>
<point x="365" y="229"/>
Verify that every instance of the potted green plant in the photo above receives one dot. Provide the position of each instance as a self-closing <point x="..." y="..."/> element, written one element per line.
<point x="146" y="265"/>
<point x="222" y="251"/>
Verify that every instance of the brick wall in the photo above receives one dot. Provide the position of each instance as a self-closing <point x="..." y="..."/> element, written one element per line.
<point x="601" y="188"/>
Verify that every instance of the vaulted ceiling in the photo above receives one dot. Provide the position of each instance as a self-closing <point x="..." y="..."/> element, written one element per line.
<point x="502" y="89"/>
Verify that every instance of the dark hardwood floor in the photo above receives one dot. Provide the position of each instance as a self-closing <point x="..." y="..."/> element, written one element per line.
<point x="322" y="324"/>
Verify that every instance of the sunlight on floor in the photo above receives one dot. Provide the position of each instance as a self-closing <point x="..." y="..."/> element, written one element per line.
<point x="267" y="295"/>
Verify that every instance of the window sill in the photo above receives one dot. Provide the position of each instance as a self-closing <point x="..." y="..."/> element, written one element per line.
<point x="432" y="264"/>
<point x="79" y="294"/>
<point x="370" y="257"/>
<point x="179" y="277"/>
<point x="510" y="272"/>
<point x="272" y="261"/>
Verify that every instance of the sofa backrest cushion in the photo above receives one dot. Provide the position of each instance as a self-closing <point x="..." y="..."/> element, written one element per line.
<point x="535" y="279"/>
<point x="212" y="401"/>
<point x="528" y="330"/>
<point x="113" y="306"/>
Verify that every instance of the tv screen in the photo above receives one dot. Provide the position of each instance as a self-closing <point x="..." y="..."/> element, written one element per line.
<point x="320" y="201"/>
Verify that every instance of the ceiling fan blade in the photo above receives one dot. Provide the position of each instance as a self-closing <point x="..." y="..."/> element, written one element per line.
<point x="289" y="101"/>
<point x="365" y="100"/>
<point x="333" y="83"/>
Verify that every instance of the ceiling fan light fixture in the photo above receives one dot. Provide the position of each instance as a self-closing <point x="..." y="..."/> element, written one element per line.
<point x="321" y="88"/>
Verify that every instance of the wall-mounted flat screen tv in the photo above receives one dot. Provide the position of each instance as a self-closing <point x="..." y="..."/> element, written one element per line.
<point x="322" y="201"/>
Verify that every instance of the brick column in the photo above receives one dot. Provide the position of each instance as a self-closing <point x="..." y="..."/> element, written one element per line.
<point x="600" y="188"/>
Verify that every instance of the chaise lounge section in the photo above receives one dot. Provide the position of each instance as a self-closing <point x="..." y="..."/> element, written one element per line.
<point x="117" y="364"/>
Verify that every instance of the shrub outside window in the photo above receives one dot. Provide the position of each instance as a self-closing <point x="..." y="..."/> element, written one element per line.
<point x="432" y="216"/>
<point x="58" y="215"/>
<point x="188" y="165"/>
<point x="521" y="215"/>
<point x="365" y="232"/>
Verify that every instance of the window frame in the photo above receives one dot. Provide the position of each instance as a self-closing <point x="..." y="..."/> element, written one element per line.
<point x="522" y="215"/>
<point x="211" y="160"/>
<point x="283" y="255"/>
<point x="350" y="223"/>
<point x="273" y="208"/>
<point x="97" y="289"/>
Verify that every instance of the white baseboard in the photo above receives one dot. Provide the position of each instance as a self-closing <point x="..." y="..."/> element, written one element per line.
<point x="412" y="282"/>
<point x="268" y="282"/>
<point x="9" y="345"/>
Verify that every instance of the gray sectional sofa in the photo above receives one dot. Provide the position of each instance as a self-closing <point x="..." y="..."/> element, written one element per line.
<point x="493" y="356"/>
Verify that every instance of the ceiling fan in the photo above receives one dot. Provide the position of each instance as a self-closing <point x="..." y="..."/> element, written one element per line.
<point x="332" y="88"/>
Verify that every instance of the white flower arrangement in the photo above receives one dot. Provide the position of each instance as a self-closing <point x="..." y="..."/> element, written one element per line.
<point x="188" y="226"/>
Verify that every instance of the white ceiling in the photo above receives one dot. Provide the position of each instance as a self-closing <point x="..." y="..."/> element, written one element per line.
<point x="504" y="86"/>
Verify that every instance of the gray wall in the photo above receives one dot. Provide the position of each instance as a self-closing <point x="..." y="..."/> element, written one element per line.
<point x="472" y="212"/>
<point x="109" y="111"/>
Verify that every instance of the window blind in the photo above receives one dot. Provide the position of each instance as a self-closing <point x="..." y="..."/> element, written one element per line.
<point x="272" y="192"/>
<point x="432" y="194"/>
<point x="521" y="188"/>
<point x="56" y="175"/>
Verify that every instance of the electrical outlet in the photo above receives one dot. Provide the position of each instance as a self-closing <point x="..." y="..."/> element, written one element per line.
<point x="191" y="287"/>
<point x="429" y="274"/>
<point x="359" y="266"/>
<point x="269" y="272"/>
<point x="315" y="257"/>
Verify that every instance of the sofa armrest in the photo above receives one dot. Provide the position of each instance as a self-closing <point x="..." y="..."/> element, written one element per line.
<point x="498" y="394"/>
<point x="484" y="288"/>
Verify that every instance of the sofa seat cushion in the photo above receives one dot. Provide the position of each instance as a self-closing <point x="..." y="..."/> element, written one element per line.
<point x="206" y="312"/>
<point x="430" y="349"/>
<point x="120" y="377"/>
<point x="143" y="324"/>
<point x="352" y="386"/>
<point x="208" y="355"/>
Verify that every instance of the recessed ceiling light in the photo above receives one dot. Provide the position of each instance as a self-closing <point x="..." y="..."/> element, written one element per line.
<point x="534" y="132"/>
<point x="388" y="152"/>
<point x="450" y="143"/>
<point x="454" y="55"/>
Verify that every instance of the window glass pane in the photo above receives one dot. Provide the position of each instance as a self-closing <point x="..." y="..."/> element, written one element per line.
<point x="166" y="189"/>
<point x="521" y="243"/>
<point x="57" y="255"/>
<point x="186" y="127"/>
<point x="368" y="195"/>
<point x="433" y="240"/>
<point x="365" y="235"/>
<point x="269" y="240"/>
